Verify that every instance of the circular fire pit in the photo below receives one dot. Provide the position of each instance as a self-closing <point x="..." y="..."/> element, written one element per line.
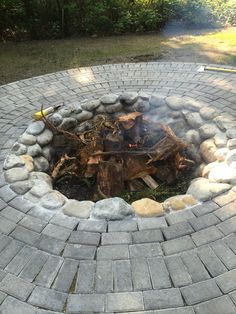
<point x="210" y="138"/>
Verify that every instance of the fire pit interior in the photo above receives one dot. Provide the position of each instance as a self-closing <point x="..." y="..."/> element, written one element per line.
<point x="104" y="153"/>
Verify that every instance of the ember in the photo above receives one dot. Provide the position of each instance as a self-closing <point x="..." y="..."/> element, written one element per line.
<point x="126" y="153"/>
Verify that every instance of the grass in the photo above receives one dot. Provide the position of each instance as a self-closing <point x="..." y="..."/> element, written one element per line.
<point x="26" y="59"/>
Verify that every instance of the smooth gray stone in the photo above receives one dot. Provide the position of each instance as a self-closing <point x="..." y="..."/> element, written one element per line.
<point x="35" y="128"/>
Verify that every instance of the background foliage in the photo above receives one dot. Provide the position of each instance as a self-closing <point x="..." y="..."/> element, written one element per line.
<point x="45" y="19"/>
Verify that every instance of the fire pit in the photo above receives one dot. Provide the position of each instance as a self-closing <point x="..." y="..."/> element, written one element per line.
<point x="113" y="149"/>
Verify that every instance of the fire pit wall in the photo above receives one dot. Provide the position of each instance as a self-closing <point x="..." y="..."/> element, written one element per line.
<point x="211" y="140"/>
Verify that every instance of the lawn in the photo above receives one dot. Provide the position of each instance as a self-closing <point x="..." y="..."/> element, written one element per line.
<point x="26" y="59"/>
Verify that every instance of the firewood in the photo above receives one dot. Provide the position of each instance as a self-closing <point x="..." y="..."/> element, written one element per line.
<point x="151" y="183"/>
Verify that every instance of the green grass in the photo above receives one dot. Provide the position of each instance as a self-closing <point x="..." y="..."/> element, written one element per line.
<point x="27" y="59"/>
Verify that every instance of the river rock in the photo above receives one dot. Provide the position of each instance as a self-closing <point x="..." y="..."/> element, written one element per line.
<point x="101" y="109"/>
<point x="16" y="174"/>
<point x="157" y="100"/>
<point x="45" y="137"/>
<point x="47" y="152"/>
<point x="231" y="156"/>
<point x="35" y="128"/>
<point x="208" y="150"/>
<point x="114" y="108"/>
<point x="231" y="133"/>
<point x="68" y="123"/>
<point x="34" y="150"/>
<point x="40" y="176"/>
<point x="79" y="209"/>
<point x="28" y="161"/>
<point x="202" y="189"/>
<point x="41" y="163"/>
<point x="56" y="119"/>
<point x="208" y="113"/>
<point x="22" y="187"/>
<point x="179" y="202"/>
<point x="109" y="99"/>
<point x="194" y="120"/>
<point x="231" y="144"/>
<point x="143" y="95"/>
<point x="91" y="105"/>
<point x="53" y="200"/>
<point x="224" y="122"/>
<point x="19" y="149"/>
<point x="13" y="161"/>
<point x="40" y="188"/>
<point x="147" y="207"/>
<point x="112" y="209"/>
<point x="175" y="102"/>
<point x="84" y="115"/>
<point x="193" y="105"/>
<point x="207" y="168"/>
<point x="222" y="173"/>
<point x="27" y="139"/>
<point x="220" y="140"/>
<point x="221" y="154"/>
<point x="207" y="131"/>
<point x="128" y="98"/>
<point x="66" y="112"/>
<point x="192" y="136"/>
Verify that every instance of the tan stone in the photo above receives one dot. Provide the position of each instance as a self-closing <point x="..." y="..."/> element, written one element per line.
<point x="147" y="207"/>
<point x="179" y="202"/>
<point x="29" y="162"/>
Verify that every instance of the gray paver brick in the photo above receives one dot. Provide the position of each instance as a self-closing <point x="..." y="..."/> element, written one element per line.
<point x="206" y="208"/>
<point x="226" y="211"/>
<point x="16" y="287"/>
<point x="49" y="244"/>
<point x="112" y="252"/>
<point x="116" y="238"/>
<point x="151" y="223"/>
<point x="230" y="241"/>
<point x="9" y="252"/>
<point x="6" y="194"/>
<point x="147" y="236"/>
<point x="20" y="260"/>
<point x="178" y="245"/>
<point x="194" y="266"/>
<point x="57" y="232"/>
<point x="159" y="274"/>
<point x="4" y="241"/>
<point x="12" y="305"/>
<point x="124" y="301"/>
<point x="177" y="230"/>
<point x="66" y="275"/>
<point x="225" y="198"/>
<point x="122" y="276"/>
<point x="228" y="226"/>
<point x="161" y="299"/>
<point x="21" y="204"/>
<point x="227" y="281"/>
<point x="204" y="221"/>
<point x="85" y="303"/>
<point x="48" y="299"/>
<point x="104" y="277"/>
<point x="200" y="292"/>
<point x="93" y="225"/>
<point x="85" y="282"/>
<point x="12" y="214"/>
<point x="178" y="272"/>
<point x="34" y="266"/>
<point x="212" y="263"/>
<point x="2" y="297"/>
<point x="217" y="306"/>
<point x="225" y="254"/>
<point x="145" y="250"/>
<point x="125" y="226"/>
<point x="6" y="225"/>
<point x="64" y="221"/>
<point x="140" y="274"/>
<point x="25" y="235"/>
<point x="207" y="235"/>
<point x="79" y="251"/>
<point x="83" y="237"/>
<point x="179" y="310"/>
<point x="49" y="271"/>
<point x="33" y="223"/>
<point x="179" y="217"/>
